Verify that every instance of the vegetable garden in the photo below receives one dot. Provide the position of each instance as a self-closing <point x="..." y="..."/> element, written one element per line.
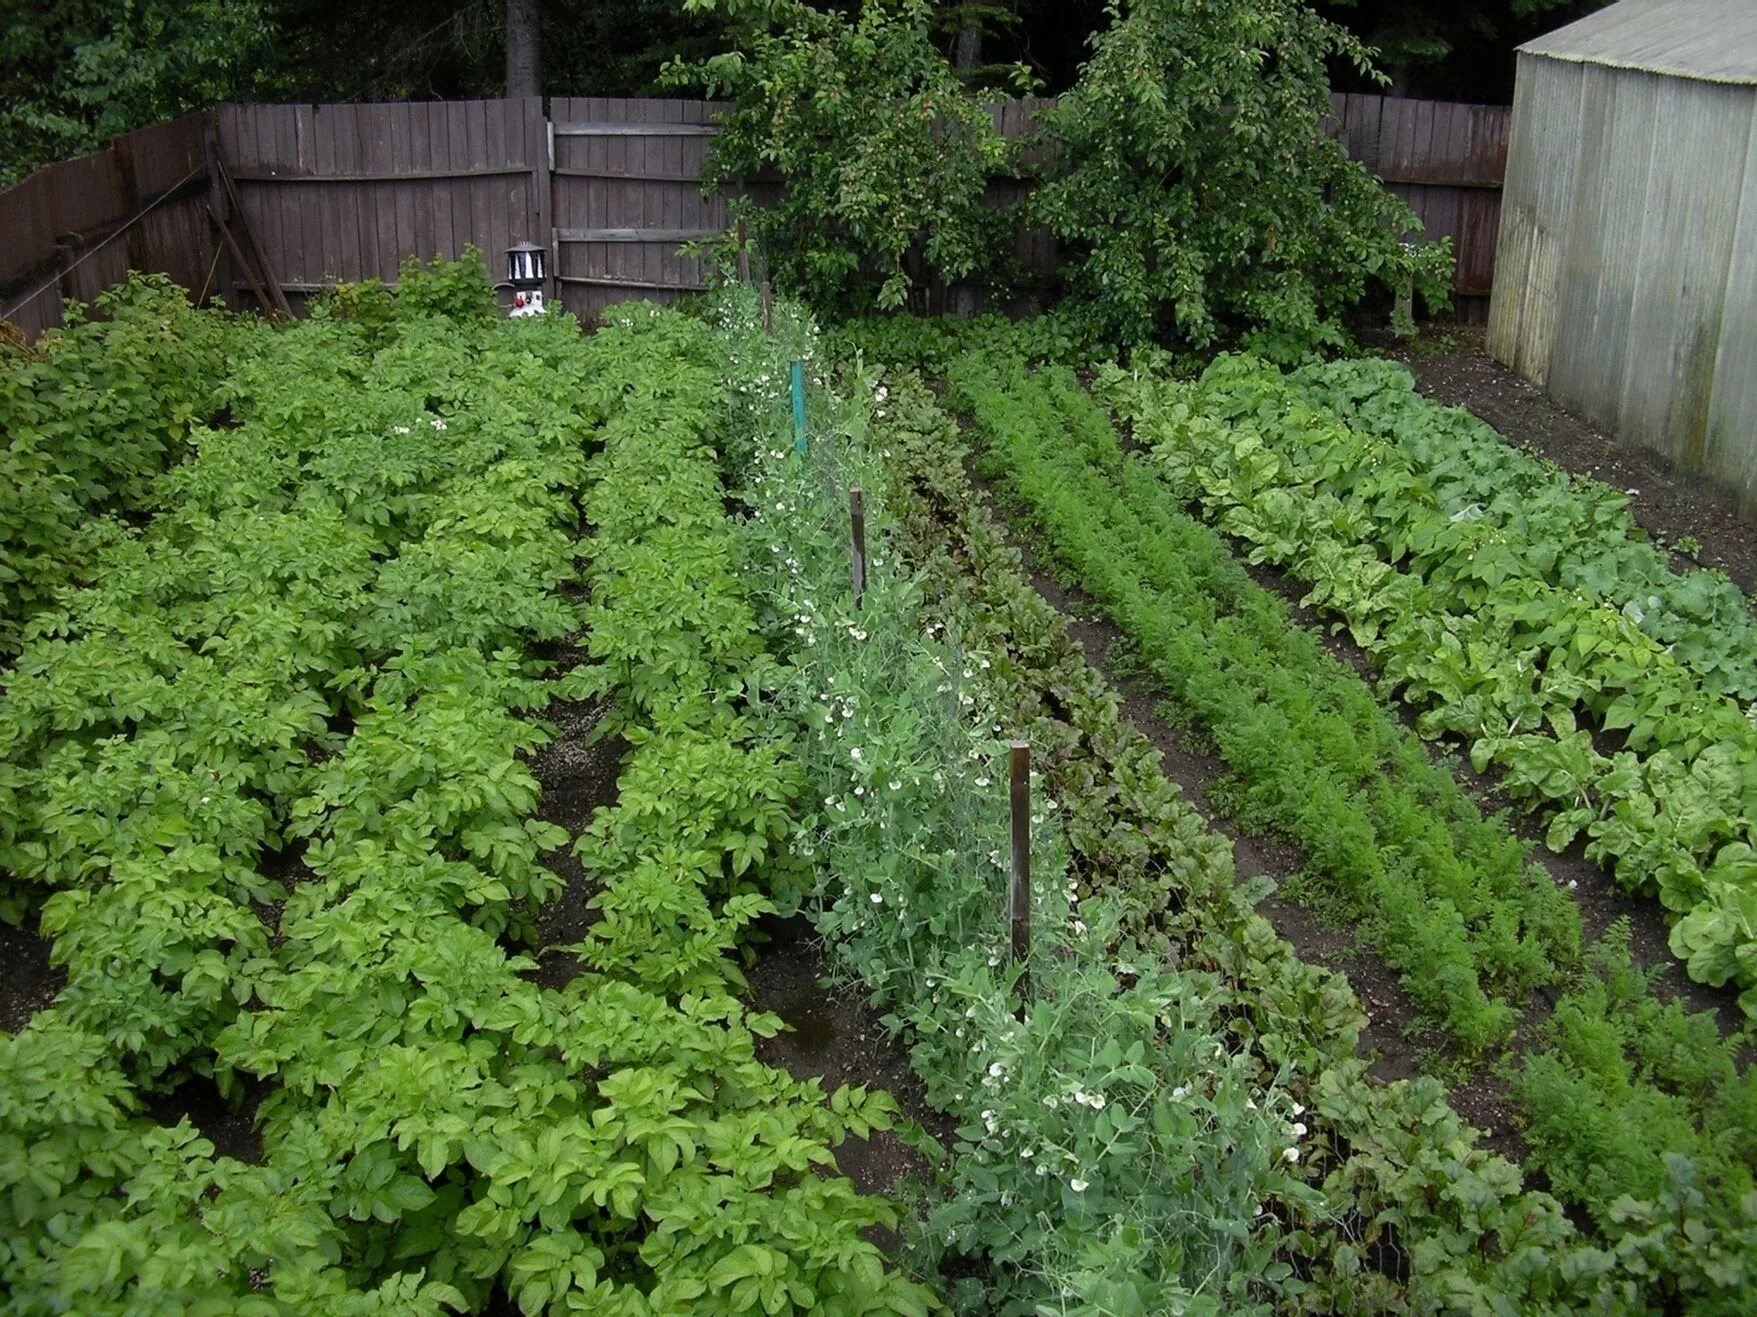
<point x="293" y="610"/>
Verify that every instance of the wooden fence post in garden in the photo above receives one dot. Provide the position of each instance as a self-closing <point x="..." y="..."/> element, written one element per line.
<point x="743" y="256"/>
<point x="768" y="307"/>
<point x="798" y="407"/>
<point x="1019" y="784"/>
<point x="857" y="521"/>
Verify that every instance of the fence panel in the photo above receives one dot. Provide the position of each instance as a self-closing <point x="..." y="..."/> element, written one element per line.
<point x="626" y="193"/>
<point x="611" y="186"/>
<point x="76" y="228"/>
<point x="349" y="191"/>
<point x="1446" y="159"/>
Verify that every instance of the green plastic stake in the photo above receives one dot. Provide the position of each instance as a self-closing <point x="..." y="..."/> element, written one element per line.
<point x="798" y="407"/>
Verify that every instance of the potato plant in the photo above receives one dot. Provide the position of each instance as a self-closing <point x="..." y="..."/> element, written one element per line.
<point x="368" y="559"/>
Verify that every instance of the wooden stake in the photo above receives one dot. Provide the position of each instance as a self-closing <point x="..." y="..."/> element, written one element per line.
<point x="1019" y="773"/>
<point x="743" y="256"/>
<point x="768" y="307"/>
<point x="857" y="519"/>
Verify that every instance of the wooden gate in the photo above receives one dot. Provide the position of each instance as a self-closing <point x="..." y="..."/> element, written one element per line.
<point x="627" y="193"/>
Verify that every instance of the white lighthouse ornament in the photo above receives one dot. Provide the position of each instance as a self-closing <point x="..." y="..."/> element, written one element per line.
<point x="524" y="271"/>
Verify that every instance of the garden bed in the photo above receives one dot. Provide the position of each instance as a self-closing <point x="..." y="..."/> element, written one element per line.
<point x="1451" y="365"/>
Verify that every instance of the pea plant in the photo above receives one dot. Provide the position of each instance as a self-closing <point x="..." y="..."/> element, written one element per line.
<point x="1108" y="1137"/>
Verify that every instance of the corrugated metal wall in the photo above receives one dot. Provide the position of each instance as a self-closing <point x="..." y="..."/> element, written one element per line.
<point x="1627" y="265"/>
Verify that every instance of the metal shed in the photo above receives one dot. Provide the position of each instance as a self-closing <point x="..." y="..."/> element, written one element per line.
<point x="1626" y="274"/>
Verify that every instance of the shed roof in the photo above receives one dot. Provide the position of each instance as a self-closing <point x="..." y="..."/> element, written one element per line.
<point x="1714" y="40"/>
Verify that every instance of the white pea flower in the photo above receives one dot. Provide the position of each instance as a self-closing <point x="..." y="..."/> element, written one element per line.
<point x="1078" y="1185"/>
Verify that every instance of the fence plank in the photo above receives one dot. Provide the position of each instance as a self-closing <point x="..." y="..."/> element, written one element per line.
<point x="457" y="156"/>
<point x="635" y="130"/>
<point x="348" y="191"/>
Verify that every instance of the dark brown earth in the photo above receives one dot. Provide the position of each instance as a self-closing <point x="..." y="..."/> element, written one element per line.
<point x="228" y="1123"/>
<point x="578" y="776"/>
<point x="28" y="982"/>
<point x="835" y="1036"/>
<point x="1451" y="365"/>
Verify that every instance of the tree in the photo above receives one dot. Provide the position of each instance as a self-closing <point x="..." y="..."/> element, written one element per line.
<point x="884" y="152"/>
<point x="1196" y="197"/>
<point x="79" y="71"/>
<point x="524" y="54"/>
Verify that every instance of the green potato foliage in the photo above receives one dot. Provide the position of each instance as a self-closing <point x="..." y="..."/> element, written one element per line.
<point x="1196" y="197"/>
<point x="88" y="418"/>
<point x="326" y="644"/>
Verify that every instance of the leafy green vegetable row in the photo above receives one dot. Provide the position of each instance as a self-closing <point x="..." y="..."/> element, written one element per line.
<point x="1639" y="1112"/>
<point x="1451" y="900"/>
<point x="1568" y="531"/>
<point x="1392" y="1179"/>
<point x="1489" y="648"/>
<point x="1113" y="1149"/>
<point x="1389" y="1185"/>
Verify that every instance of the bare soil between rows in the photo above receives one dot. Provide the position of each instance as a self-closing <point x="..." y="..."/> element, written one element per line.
<point x="833" y="1034"/>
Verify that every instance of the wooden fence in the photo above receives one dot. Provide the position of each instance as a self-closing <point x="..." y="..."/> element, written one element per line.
<point x="1446" y="159"/>
<point x="74" y="229"/>
<point x="270" y="203"/>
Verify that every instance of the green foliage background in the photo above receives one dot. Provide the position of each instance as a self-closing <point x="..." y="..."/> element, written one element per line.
<point x="76" y="72"/>
<point x="1194" y="193"/>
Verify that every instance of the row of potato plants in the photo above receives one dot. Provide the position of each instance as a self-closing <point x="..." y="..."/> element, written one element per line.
<point x="1501" y="633"/>
<point x="1638" y="1111"/>
<point x="89" y="417"/>
<point x="435" y="1125"/>
<point x="1378" y="1198"/>
<point x="158" y="728"/>
<point x="161" y="732"/>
